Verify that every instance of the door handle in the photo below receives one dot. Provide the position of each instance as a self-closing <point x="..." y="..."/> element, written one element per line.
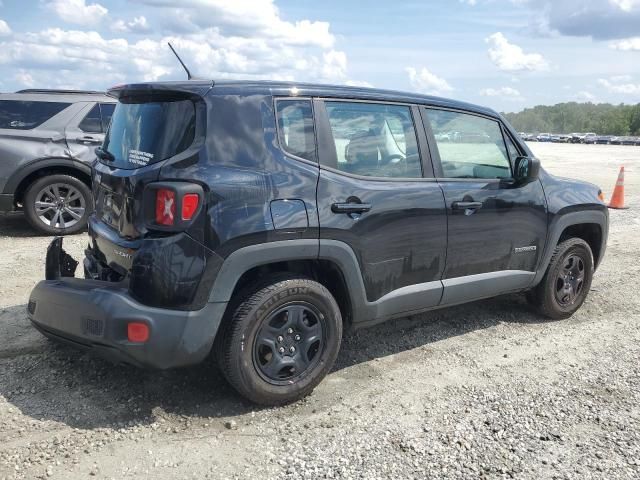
<point x="350" y="207"/>
<point x="466" y="205"/>
<point x="88" y="139"/>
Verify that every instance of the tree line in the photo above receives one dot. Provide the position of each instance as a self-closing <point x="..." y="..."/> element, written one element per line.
<point x="601" y="118"/>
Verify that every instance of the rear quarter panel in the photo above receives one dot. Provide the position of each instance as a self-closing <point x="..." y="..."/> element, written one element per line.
<point x="242" y="171"/>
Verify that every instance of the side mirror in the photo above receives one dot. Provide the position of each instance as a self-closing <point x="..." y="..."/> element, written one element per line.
<point x="526" y="169"/>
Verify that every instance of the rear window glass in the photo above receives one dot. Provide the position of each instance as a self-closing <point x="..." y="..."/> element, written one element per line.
<point x="21" y="115"/>
<point x="149" y="132"/>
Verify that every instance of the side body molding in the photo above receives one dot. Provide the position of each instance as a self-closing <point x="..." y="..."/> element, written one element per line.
<point x="404" y="301"/>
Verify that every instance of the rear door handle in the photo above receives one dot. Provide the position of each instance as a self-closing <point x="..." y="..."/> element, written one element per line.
<point x="466" y="205"/>
<point x="350" y="207"/>
<point x="89" y="139"/>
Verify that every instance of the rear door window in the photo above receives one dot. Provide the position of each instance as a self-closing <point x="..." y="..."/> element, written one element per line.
<point x="92" y="122"/>
<point x="24" y="115"/>
<point x="106" y="112"/>
<point x="142" y="133"/>
<point x="98" y="118"/>
<point x="374" y="140"/>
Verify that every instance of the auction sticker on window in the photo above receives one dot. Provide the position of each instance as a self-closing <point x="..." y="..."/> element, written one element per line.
<point x="137" y="157"/>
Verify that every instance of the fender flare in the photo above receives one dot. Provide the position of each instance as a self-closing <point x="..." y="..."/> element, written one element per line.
<point x="560" y="223"/>
<point x="23" y="172"/>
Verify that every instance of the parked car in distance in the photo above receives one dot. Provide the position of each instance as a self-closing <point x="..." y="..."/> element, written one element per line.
<point x="47" y="142"/>
<point x="576" y="138"/>
<point x="544" y="137"/>
<point x="590" y="138"/>
<point x="603" y="139"/>
<point x="561" y="138"/>
<point x="255" y="221"/>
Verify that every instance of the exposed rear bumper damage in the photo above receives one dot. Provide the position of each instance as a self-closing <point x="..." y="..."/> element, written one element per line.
<point x="94" y="315"/>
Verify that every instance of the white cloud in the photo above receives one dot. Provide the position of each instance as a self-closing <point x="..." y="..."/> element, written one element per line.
<point x="358" y="83"/>
<point x="334" y="65"/>
<point x="615" y="85"/>
<point x="632" y="43"/>
<point x="509" y="57"/>
<point x="599" y="19"/>
<point x="242" y="19"/>
<point x="469" y="2"/>
<point x="626" y="5"/>
<point x="240" y="39"/>
<point x="246" y="39"/>
<point x="427" y="82"/>
<point x="506" y="92"/>
<point x="25" y="79"/>
<point x="137" y="25"/>
<point x="585" y="96"/>
<point x="77" y="11"/>
<point x="5" y="30"/>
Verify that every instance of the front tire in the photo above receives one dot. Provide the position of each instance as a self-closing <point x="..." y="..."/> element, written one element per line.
<point x="58" y="204"/>
<point x="281" y="341"/>
<point x="565" y="285"/>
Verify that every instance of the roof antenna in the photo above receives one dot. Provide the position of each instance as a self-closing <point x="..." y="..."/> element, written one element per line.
<point x="189" y="76"/>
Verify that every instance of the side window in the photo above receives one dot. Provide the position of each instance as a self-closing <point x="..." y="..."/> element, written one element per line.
<point x="295" y="128"/>
<point x="470" y="146"/>
<point x="511" y="149"/>
<point x="92" y="122"/>
<point x="375" y="140"/>
<point x="24" y="115"/>
<point x="106" y="111"/>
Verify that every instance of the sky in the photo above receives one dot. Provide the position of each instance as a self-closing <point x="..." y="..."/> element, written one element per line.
<point x="505" y="54"/>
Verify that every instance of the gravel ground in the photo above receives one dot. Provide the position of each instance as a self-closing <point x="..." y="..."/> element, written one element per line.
<point x="486" y="390"/>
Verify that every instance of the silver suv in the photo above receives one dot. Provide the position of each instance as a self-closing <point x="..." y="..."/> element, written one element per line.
<point x="47" y="142"/>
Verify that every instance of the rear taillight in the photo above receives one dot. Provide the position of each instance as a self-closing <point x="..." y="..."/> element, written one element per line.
<point x="172" y="206"/>
<point x="165" y="206"/>
<point x="189" y="205"/>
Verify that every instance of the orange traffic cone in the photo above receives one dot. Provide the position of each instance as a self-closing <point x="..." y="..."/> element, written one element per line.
<point x="617" y="199"/>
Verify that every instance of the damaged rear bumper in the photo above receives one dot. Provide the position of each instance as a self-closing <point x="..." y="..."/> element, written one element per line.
<point x="94" y="315"/>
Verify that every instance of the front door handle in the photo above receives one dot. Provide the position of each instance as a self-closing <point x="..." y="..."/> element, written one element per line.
<point x="350" y="207"/>
<point x="466" y="205"/>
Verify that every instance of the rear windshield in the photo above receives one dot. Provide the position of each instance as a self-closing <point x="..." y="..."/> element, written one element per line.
<point x="21" y="115"/>
<point x="142" y="133"/>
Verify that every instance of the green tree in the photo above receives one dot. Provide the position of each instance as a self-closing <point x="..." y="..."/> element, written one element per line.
<point x="601" y="118"/>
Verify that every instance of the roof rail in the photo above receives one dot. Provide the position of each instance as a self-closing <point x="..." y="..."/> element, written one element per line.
<point x="62" y="92"/>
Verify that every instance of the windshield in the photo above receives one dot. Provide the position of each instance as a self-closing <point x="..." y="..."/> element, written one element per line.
<point x="142" y="133"/>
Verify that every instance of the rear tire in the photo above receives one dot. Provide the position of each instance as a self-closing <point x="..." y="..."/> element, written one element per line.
<point x="58" y="204"/>
<point x="565" y="285"/>
<point x="280" y="341"/>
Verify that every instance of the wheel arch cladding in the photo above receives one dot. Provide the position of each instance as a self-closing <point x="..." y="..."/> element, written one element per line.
<point x="590" y="233"/>
<point x="576" y="224"/>
<point x="21" y="180"/>
<point x="249" y="264"/>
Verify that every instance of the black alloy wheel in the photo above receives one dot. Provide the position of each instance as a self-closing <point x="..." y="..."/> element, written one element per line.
<point x="289" y="343"/>
<point x="570" y="280"/>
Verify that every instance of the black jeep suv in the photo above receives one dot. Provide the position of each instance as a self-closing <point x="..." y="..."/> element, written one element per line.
<point x="256" y="220"/>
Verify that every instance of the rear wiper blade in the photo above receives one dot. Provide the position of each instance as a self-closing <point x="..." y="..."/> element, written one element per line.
<point x="105" y="154"/>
